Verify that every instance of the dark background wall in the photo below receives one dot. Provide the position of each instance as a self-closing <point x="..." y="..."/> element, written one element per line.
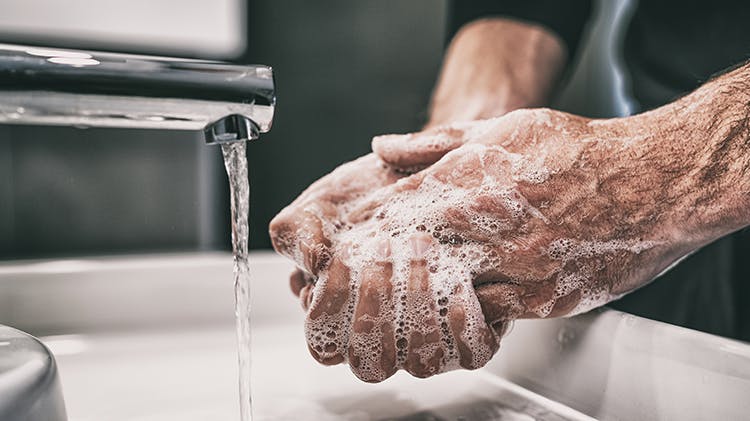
<point x="346" y="71"/>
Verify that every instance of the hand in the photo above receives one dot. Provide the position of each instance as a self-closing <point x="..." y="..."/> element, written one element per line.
<point x="535" y="214"/>
<point x="425" y="272"/>
<point x="356" y="311"/>
<point x="545" y="206"/>
<point x="303" y="230"/>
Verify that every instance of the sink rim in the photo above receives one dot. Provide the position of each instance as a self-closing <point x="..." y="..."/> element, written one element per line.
<point x="29" y="382"/>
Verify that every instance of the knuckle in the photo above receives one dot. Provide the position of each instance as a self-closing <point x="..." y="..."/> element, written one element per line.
<point x="297" y="282"/>
<point x="282" y="233"/>
<point x="530" y="116"/>
<point x="317" y="257"/>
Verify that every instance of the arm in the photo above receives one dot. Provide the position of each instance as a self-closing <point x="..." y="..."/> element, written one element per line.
<point x="537" y="213"/>
<point x="611" y="203"/>
<point x="702" y="151"/>
<point x="496" y="65"/>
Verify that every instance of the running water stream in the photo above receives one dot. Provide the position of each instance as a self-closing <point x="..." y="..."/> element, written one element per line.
<point x="235" y="162"/>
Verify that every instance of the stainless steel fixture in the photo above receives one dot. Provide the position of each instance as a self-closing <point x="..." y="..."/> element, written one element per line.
<point x="92" y="89"/>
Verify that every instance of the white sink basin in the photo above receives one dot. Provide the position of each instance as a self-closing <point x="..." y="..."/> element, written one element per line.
<point x="152" y="338"/>
<point x="192" y="375"/>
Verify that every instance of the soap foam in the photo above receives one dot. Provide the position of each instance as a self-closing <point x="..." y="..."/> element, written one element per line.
<point x="567" y="249"/>
<point x="453" y="260"/>
<point x="412" y="313"/>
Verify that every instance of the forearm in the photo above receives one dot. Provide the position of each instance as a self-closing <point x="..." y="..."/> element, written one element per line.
<point x="493" y="66"/>
<point x="689" y="164"/>
<point x="714" y="123"/>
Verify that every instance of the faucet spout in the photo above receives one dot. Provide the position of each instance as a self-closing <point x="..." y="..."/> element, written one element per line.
<point x="232" y="128"/>
<point x="96" y="89"/>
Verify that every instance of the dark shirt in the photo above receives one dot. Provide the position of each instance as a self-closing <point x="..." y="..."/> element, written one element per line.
<point x="670" y="48"/>
<point x="674" y="46"/>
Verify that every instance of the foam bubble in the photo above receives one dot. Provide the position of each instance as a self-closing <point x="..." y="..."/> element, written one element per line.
<point x="414" y="310"/>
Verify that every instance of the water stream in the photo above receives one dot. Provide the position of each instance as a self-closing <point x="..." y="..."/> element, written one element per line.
<point x="235" y="162"/>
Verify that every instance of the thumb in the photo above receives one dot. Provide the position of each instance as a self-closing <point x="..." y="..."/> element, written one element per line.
<point x="414" y="151"/>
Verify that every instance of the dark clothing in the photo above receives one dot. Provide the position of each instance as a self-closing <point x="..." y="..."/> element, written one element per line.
<point x="565" y="18"/>
<point x="670" y="48"/>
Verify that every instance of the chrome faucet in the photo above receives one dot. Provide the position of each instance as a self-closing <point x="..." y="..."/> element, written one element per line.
<point x="228" y="102"/>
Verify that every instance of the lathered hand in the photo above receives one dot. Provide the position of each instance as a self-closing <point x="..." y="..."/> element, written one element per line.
<point x="544" y="213"/>
<point x="363" y="306"/>
<point x="534" y="214"/>
<point x="303" y="230"/>
<point x="424" y="272"/>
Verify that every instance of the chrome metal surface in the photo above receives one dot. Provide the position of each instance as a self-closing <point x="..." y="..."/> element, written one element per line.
<point x="29" y="384"/>
<point x="93" y="89"/>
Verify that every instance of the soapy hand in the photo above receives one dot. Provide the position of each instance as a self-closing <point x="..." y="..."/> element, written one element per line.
<point x="534" y="214"/>
<point x="369" y="296"/>
<point x="544" y="213"/>
<point x="418" y="257"/>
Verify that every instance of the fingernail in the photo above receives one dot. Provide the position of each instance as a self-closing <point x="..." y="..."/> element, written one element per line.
<point x="305" y="296"/>
<point x="345" y="251"/>
<point x="383" y="249"/>
<point x="420" y="244"/>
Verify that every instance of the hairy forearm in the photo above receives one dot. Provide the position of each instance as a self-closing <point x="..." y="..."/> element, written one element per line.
<point x="687" y="164"/>
<point x="713" y="124"/>
<point x="494" y="66"/>
<point x="676" y="178"/>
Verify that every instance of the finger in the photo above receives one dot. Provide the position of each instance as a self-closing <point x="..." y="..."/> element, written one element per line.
<point x="306" y="296"/>
<point x="341" y="182"/>
<point x="423" y="340"/>
<point x="500" y="301"/>
<point x="372" y="349"/>
<point x="298" y="280"/>
<point x="474" y="341"/>
<point x="503" y="302"/>
<point x="414" y="151"/>
<point x="327" y="320"/>
<point x="298" y="234"/>
<point x="566" y="304"/>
